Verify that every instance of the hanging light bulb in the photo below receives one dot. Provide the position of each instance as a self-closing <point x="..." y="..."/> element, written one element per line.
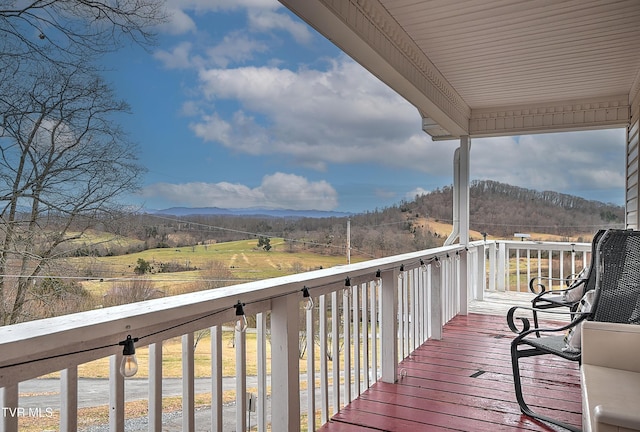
<point x="401" y="274"/>
<point x="347" y="288"/>
<point x="423" y="265"/>
<point x="457" y="255"/>
<point x="438" y="263"/>
<point x="308" y="304"/>
<point x="129" y="365"/>
<point x="378" y="278"/>
<point x="241" y="319"/>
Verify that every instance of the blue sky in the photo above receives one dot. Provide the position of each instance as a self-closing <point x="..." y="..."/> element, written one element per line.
<point x="241" y="104"/>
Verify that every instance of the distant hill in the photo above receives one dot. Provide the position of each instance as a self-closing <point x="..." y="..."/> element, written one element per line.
<point x="253" y="212"/>
<point x="501" y="209"/>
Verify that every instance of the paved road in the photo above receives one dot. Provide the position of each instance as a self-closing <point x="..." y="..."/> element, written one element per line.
<point x="40" y="393"/>
<point x="45" y="393"/>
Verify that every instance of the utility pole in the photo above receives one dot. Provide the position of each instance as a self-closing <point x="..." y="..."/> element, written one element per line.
<point x="349" y="241"/>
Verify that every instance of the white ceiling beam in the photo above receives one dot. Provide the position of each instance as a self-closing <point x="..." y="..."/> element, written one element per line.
<point x="560" y="116"/>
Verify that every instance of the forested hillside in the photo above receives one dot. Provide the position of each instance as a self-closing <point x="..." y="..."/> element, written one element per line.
<point x="501" y="210"/>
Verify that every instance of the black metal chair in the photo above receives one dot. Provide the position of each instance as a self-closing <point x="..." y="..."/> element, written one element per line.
<point x="616" y="298"/>
<point x="569" y="297"/>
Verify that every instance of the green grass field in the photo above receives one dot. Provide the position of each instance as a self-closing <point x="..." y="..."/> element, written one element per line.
<point x="243" y="259"/>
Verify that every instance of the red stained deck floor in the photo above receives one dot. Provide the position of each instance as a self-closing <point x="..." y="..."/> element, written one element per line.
<point x="464" y="382"/>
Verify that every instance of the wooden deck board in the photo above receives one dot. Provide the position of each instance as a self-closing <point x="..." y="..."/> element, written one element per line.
<point x="464" y="382"/>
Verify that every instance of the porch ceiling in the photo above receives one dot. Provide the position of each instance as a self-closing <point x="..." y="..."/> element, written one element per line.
<point x="494" y="67"/>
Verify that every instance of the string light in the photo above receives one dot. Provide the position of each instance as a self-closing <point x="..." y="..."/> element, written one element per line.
<point x="423" y="265"/>
<point x="308" y="304"/>
<point x="438" y="263"/>
<point x="241" y="319"/>
<point x="129" y="364"/>
<point x="401" y="274"/>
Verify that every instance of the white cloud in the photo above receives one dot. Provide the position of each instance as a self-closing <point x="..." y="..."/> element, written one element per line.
<point x="204" y="6"/>
<point x="411" y="195"/>
<point x="279" y="190"/>
<point x="235" y="48"/>
<point x="226" y="5"/>
<point x="338" y="116"/>
<point x="266" y="20"/>
<point x="178" y="22"/>
<point x="177" y="58"/>
<point x="214" y="126"/>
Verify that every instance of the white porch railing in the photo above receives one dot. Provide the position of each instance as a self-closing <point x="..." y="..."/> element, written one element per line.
<point x="512" y="264"/>
<point x="357" y="333"/>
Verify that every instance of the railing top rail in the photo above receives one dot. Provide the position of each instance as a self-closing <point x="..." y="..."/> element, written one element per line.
<point x="537" y="244"/>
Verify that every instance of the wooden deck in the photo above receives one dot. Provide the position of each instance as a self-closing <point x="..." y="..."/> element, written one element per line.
<point x="464" y="382"/>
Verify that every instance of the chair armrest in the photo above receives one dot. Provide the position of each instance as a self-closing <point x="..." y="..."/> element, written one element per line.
<point x="542" y="295"/>
<point x="617" y="418"/>
<point x="576" y="318"/>
<point x="611" y="345"/>
<point x="540" y="288"/>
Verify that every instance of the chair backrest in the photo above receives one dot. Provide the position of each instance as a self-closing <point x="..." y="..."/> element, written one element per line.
<point x="618" y="278"/>
<point x="591" y="275"/>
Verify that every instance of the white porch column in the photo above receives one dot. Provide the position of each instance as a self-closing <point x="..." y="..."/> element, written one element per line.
<point x="463" y="209"/>
<point x="460" y="193"/>
<point x="463" y="182"/>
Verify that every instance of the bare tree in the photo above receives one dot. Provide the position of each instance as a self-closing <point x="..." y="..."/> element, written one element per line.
<point x="216" y="274"/>
<point x="130" y="291"/>
<point x="63" y="160"/>
<point x="72" y="32"/>
<point x="63" y="164"/>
